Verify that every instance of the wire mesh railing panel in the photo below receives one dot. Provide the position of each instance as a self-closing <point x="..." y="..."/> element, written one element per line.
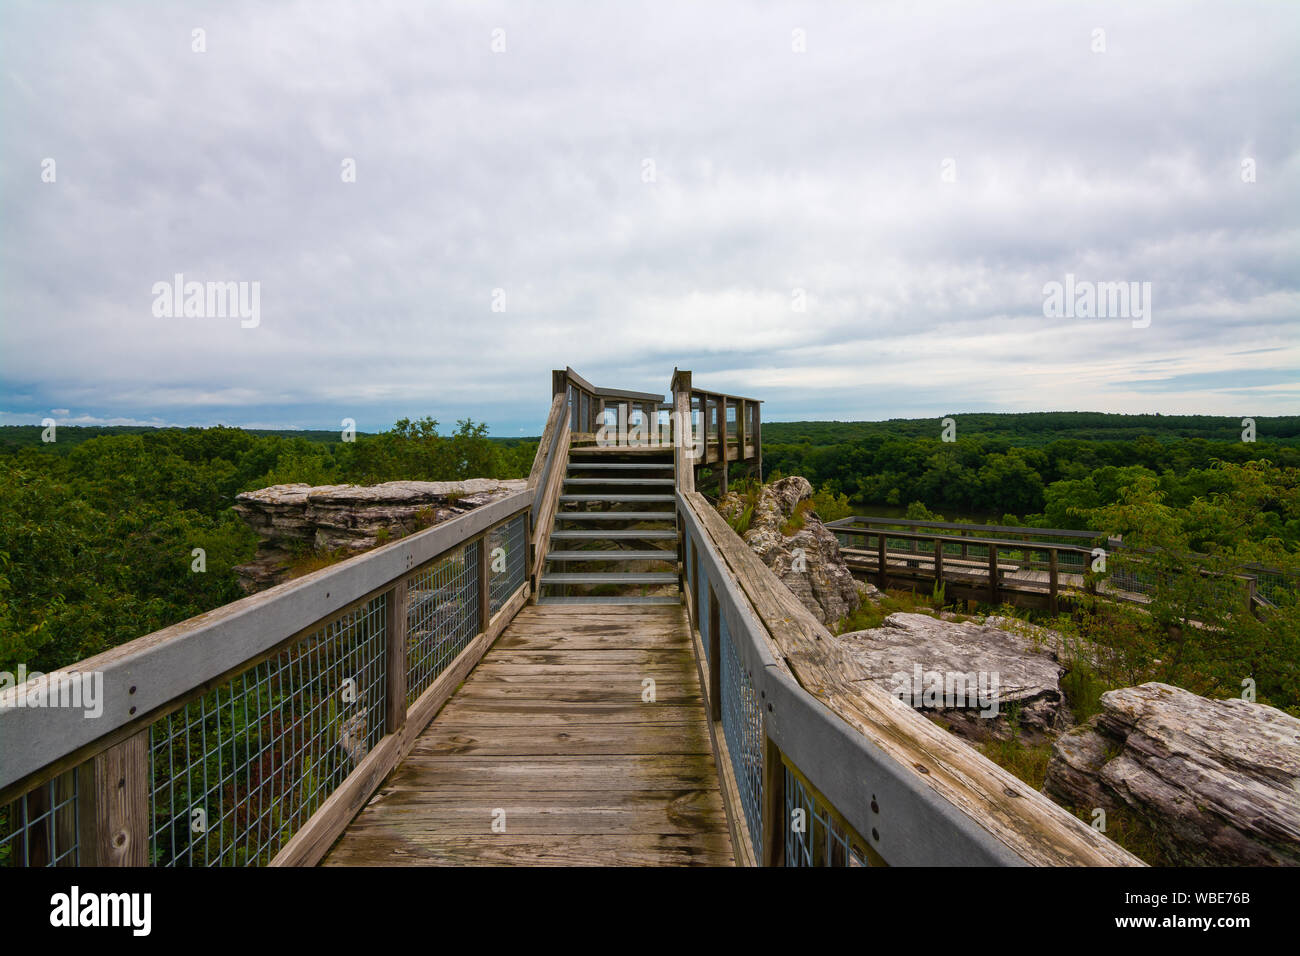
<point x="41" y="828"/>
<point x="442" y="615"/>
<point x="1274" y="586"/>
<point x="236" y="773"/>
<point x="506" y="550"/>
<point x="742" y="726"/>
<point x="813" y="837"/>
<point x="1133" y="580"/>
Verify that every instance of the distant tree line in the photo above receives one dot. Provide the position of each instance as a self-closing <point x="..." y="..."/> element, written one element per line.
<point x="1044" y="481"/>
<point x="97" y="535"/>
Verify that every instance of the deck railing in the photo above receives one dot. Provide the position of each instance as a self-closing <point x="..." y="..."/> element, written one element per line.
<point x="725" y="428"/>
<point x="985" y="556"/>
<point x="611" y="413"/>
<point x="970" y="561"/>
<point x="251" y="734"/>
<point x="819" y="767"/>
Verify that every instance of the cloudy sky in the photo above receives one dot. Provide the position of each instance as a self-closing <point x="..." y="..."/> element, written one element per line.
<point x="850" y="210"/>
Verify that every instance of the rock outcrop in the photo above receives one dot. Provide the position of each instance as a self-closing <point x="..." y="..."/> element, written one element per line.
<point x="808" y="561"/>
<point x="972" y="676"/>
<point x="349" y="519"/>
<point x="1217" y="782"/>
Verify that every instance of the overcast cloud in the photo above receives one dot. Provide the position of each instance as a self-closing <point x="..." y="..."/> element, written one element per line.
<point x="524" y="170"/>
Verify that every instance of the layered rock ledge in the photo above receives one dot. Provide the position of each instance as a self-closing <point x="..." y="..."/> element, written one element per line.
<point x="912" y="655"/>
<point x="1217" y="782"/>
<point x="347" y="519"/>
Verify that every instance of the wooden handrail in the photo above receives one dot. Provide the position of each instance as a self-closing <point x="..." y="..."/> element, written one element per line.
<point x="548" y="499"/>
<point x="940" y="801"/>
<point x="152" y="677"/>
<point x="870" y="522"/>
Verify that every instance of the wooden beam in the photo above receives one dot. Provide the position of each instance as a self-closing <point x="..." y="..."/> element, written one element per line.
<point x="113" y="791"/>
<point x="484" y="580"/>
<point x="993" y="574"/>
<point x="548" y="434"/>
<point x="722" y="444"/>
<point x="1052" y="580"/>
<point x="774" y="822"/>
<point x="881" y="560"/>
<point x="395" y="607"/>
<point x="683" y="463"/>
<point x="741" y="430"/>
<point x="550" y="502"/>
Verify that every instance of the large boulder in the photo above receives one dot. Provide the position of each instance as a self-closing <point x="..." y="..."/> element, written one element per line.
<point x="1217" y="782"/>
<point x="808" y="560"/>
<point x="972" y="676"/>
<point x="348" y="519"/>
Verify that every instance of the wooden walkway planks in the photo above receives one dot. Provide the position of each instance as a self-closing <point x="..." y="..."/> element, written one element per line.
<point x="551" y="728"/>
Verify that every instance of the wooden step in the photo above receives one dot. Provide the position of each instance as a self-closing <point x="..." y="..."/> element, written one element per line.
<point x="618" y="466"/>
<point x="610" y="577"/>
<point x="643" y="482"/>
<point x="616" y="516"/>
<point x="613" y="555"/>
<point x="649" y="451"/>
<point x="617" y="499"/>
<point x="611" y="535"/>
<point x="614" y="599"/>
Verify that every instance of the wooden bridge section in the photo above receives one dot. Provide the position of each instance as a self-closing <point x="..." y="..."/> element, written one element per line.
<point x="594" y="670"/>
<point x="557" y="751"/>
<point x="1028" y="567"/>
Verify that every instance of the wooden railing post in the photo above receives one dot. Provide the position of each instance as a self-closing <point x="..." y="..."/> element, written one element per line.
<point x="1052" y="579"/>
<point x="395" y="605"/>
<point x="722" y="443"/>
<point x="993" y="574"/>
<point x="740" y="433"/>
<point x="113" y="815"/>
<point x="938" y="563"/>
<point x="484" y="591"/>
<point x="710" y="409"/>
<point x="683" y="440"/>
<point x="773" y="803"/>
<point x="880" y="557"/>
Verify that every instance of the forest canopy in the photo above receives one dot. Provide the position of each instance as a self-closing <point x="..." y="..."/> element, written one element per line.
<point x="97" y="528"/>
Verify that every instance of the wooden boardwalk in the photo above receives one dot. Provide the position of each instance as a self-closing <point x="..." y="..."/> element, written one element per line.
<point x="550" y="738"/>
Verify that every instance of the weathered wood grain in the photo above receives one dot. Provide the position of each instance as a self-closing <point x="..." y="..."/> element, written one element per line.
<point x="394" y="848"/>
<point x="550" y="739"/>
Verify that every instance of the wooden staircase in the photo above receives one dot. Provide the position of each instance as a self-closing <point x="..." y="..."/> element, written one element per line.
<point x="614" y="540"/>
